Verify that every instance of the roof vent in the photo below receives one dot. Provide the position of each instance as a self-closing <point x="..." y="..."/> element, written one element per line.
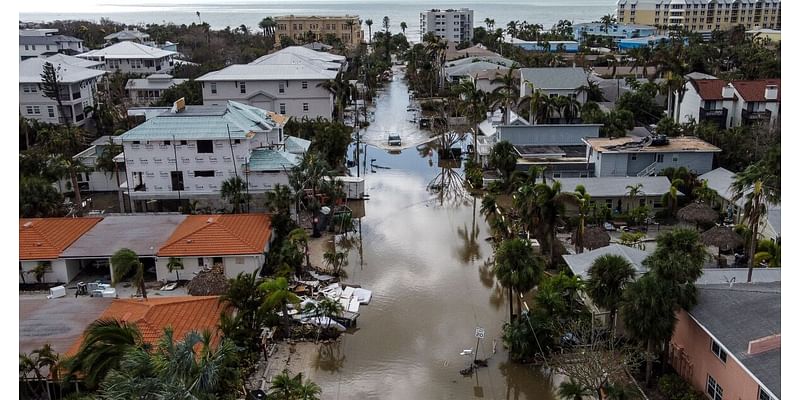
<point x="38" y="244"/>
<point x="189" y="240"/>
<point x="210" y="220"/>
<point x="28" y="224"/>
<point x="727" y="91"/>
<point x="179" y="106"/>
<point x="764" y="344"/>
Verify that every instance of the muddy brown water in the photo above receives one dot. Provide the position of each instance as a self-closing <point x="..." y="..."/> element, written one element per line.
<point x="424" y="258"/>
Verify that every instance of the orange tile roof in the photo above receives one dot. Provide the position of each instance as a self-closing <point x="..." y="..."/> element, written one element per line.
<point x="46" y="238"/>
<point x="214" y="235"/>
<point x="183" y="313"/>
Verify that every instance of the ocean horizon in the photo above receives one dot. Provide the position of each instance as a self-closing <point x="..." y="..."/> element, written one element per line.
<point x="219" y="15"/>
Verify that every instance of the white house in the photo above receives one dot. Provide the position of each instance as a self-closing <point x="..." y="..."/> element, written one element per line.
<point x="731" y="104"/>
<point x="635" y="156"/>
<point x="45" y="42"/>
<point x="554" y="82"/>
<point x="187" y="152"/>
<point x="132" y="57"/>
<point x="42" y="241"/>
<point x="78" y="86"/>
<point x="97" y="180"/>
<point x="286" y="82"/>
<point x="142" y="92"/>
<point x="237" y="242"/>
<point x="129" y="35"/>
<point x="452" y="25"/>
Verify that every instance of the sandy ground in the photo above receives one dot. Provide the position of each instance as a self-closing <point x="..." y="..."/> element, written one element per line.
<point x="295" y="357"/>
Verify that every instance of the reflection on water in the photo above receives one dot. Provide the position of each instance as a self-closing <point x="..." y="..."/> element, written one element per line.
<point x="426" y="261"/>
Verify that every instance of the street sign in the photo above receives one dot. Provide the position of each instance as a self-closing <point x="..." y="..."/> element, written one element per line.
<point x="480" y="333"/>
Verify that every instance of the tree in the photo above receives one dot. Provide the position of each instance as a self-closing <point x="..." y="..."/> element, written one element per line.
<point x="51" y="88"/>
<point x="386" y="24"/>
<point x="648" y="310"/>
<point x="472" y="104"/>
<point x="268" y="25"/>
<point x="299" y="236"/>
<point x="634" y="191"/>
<point x="369" y="26"/>
<point x="583" y="201"/>
<point x="189" y="368"/>
<point x="768" y="253"/>
<point x="671" y="196"/>
<point x="507" y="92"/>
<point x="504" y="157"/>
<point x="539" y="104"/>
<point x="608" y="276"/>
<point x="234" y="190"/>
<point x="38" y="198"/>
<point x="550" y="204"/>
<point x="175" y="265"/>
<point x="124" y="261"/>
<point x="278" y="296"/>
<point x="105" y="342"/>
<point x="62" y="143"/>
<point x="246" y="298"/>
<point x="190" y="91"/>
<point x="403" y="27"/>
<point x="285" y="387"/>
<point x="572" y="390"/>
<point x="336" y="260"/>
<point x="517" y="268"/>
<point x="759" y="186"/>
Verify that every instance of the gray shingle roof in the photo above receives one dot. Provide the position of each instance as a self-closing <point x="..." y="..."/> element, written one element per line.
<point x="142" y="233"/>
<point x="580" y="263"/>
<point x="613" y="186"/>
<point x="472" y="68"/>
<point x="53" y="39"/>
<point x="30" y="71"/>
<point x="554" y="78"/>
<point x="741" y="313"/>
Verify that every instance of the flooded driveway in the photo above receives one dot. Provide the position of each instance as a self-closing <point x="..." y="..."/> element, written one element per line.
<point x="424" y="256"/>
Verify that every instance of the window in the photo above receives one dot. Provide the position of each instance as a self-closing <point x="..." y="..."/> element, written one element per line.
<point x="213" y="88"/>
<point x="281" y="88"/>
<point x="177" y="180"/>
<point x="305" y="107"/>
<point x="713" y="389"/>
<point x="242" y="88"/>
<point x="204" y="174"/>
<point x="26" y="47"/>
<point x="201" y="262"/>
<point x="763" y="395"/>
<point x="717" y="350"/>
<point x="659" y="158"/>
<point x="167" y="142"/>
<point x="304" y="84"/>
<point x="237" y="141"/>
<point x="205" y="146"/>
<point x="135" y="142"/>
<point x="282" y="107"/>
<point x="33" y="47"/>
<point x="674" y="158"/>
<point x="633" y="157"/>
<point x="51" y="112"/>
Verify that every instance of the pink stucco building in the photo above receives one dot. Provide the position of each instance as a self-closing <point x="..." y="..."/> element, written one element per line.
<point x="728" y="345"/>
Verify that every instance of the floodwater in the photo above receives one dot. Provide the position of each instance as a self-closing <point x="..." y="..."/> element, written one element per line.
<point x="424" y="257"/>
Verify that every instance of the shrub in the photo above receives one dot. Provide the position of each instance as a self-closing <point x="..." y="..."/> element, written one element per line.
<point x="673" y="387"/>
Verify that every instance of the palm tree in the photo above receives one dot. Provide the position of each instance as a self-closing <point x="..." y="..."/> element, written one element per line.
<point x="769" y="253"/>
<point x="633" y="192"/>
<point x="705" y="194"/>
<point x="572" y="390"/>
<point x="234" y="190"/>
<point x="341" y="90"/>
<point x="759" y="186"/>
<point x="671" y="196"/>
<point x="508" y="91"/>
<point x="299" y="236"/>
<point x="63" y="142"/>
<point x="279" y="200"/>
<point x="369" y="26"/>
<point x="582" y="200"/>
<point x="539" y="104"/>
<point x="326" y="307"/>
<point x="268" y="25"/>
<point x="489" y="206"/>
<point x="39" y="271"/>
<point x="105" y="342"/>
<point x="608" y="276"/>
<point x="648" y="310"/>
<point x="336" y="260"/>
<point x="472" y="104"/>
<point x="175" y="265"/>
<point x="285" y="387"/>
<point x="504" y="157"/>
<point x="386" y="24"/>
<point x="403" y="27"/>
<point x="550" y="202"/>
<point x="517" y="268"/>
<point x="124" y="261"/>
<point x="278" y="295"/>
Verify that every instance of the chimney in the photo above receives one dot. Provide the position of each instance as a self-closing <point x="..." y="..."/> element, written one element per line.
<point x="764" y="344"/>
<point x="771" y="92"/>
<point x="727" y="91"/>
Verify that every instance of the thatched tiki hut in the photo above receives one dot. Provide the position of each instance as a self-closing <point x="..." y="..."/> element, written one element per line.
<point x="722" y="238"/>
<point x="594" y="237"/>
<point x="698" y="213"/>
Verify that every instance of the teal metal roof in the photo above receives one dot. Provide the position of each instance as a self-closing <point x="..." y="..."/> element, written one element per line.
<point x="295" y="145"/>
<point x="203" y="123"/>
<point x="271" y="160"/>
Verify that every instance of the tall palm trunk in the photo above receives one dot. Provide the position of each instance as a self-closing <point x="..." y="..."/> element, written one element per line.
<point x="73" y="176"/>
<point x="648" y="371"/>
<point x="510" y="304"/>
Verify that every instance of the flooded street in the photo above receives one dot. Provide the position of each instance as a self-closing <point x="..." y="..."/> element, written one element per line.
<point x="425" y="261"/>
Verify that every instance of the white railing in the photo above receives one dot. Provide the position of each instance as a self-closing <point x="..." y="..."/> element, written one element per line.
<point x="649" y="170"/>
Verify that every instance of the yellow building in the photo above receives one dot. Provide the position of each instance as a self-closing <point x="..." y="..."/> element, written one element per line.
<point x="701" y="15"/>
<point x="347" y="28"/>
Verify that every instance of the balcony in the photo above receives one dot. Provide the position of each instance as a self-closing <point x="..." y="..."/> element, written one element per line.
<point x="719" y="116"/>
<point x="140" y="188"/>
<point x="749" y="117"/>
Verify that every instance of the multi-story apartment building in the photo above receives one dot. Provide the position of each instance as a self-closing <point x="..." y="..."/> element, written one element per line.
<point x="287" y="82"/>
<point x="702" y="15"/>
<point x="134" y="58"/>
<point x="186" y="153"/>
<point x="142" y="92"/>
<point x="731" y="104"/>
<point x="77" y="85"/>
<point x="45" y="42"/>
<point x="346" y="27"/>
<point x="615" y="31"/>
<point x="452" y="25"/>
